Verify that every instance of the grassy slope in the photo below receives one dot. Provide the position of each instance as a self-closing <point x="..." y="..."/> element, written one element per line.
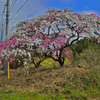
<point x="70" y="83"/>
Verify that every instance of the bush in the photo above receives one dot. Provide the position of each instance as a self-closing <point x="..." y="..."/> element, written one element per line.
<point x="18" y="61"/>
<point x="89" y="58"/>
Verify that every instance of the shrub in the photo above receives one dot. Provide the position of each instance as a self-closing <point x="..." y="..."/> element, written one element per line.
<point x="83" y="44"/>
<point x="89" y="58"/>
<point x="18" y="61"/>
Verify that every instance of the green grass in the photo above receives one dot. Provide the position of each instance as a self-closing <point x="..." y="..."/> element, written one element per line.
<point x="70" y="93"/>
<point x="34" y="96"/>
<point x="89" y="87"/>
<point x="80" y="87"/>
<point x="29" y="96"/>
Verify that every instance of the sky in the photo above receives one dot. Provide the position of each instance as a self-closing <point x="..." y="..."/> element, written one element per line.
<point x="34" y="8"/>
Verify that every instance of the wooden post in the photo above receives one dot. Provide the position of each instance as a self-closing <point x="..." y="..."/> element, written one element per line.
<point x="8" y="70"/>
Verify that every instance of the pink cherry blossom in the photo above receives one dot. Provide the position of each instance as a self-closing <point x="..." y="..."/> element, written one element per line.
<point x="85" y="24"/>
<point x="11" y="59"/>
<point x="80" y="34"/>
<point x="33" y="39"/>
<point x="55" y="53"/>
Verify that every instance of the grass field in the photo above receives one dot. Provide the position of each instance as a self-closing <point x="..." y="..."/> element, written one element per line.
<point x="67" y="83"/>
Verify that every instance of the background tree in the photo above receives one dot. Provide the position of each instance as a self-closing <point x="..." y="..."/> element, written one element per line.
<point x="83" y="44"/>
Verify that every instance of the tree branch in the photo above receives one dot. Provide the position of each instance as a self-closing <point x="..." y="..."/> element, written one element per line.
<point x="50" y="57"/>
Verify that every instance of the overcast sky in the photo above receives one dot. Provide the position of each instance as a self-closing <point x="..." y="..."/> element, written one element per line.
<point x="34" y="8"/>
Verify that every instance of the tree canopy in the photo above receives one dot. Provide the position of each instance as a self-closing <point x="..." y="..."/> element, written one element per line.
<point x="51" y="33"/>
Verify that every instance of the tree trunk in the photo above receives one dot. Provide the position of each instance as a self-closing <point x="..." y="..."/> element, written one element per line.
<point x="61" y="62"/>
<point x="37" y="65"/>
